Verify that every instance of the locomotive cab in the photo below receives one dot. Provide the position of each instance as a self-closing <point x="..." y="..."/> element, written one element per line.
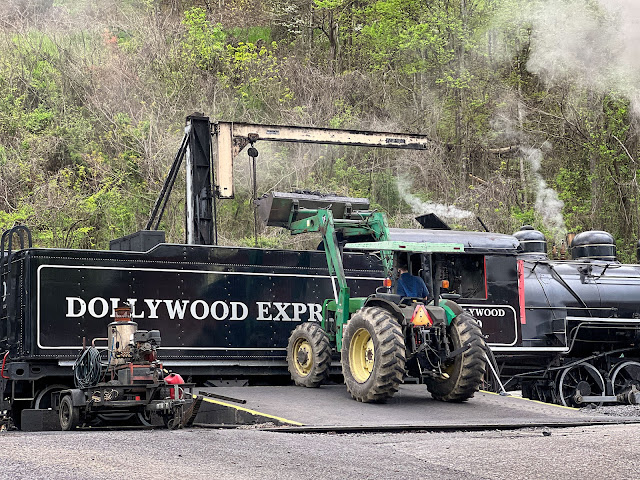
<point x="454" y="275"/>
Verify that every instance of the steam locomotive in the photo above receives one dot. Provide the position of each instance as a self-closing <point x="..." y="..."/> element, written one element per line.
<point x="557" y="328"/>
<point x="560" y="330"/>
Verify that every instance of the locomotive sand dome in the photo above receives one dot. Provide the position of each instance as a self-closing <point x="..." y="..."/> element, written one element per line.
<point x="531" y="240"/>
<point x="594" y="245"/>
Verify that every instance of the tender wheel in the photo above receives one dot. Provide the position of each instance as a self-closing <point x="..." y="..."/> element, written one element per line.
<point x="308" y="355"/>
<point x="44" y="399"/>
<point x="624" y="376"/>
<point x="464" y="374"/>
<point x="583" y="379"/>
<point x="373" y="355"/>
<point x="69" y="415"/>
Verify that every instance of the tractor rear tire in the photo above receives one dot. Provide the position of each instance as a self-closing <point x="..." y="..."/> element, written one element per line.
<point x="309" y="355"/>
<point x="466" y="371"/>
<point x="373" y="355"/>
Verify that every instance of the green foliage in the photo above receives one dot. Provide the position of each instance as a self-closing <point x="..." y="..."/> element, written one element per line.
<point x="574" y="189"/>
<point x="346" y="179"/>
<point x="254" y="34"/>
<point x="204" y="43"/>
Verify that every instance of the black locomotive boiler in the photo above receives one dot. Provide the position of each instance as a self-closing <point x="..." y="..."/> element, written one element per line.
<point x="580" y="321"/>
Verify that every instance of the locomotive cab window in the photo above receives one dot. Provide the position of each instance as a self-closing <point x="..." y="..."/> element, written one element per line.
<point x="462" y="275"/>
<point x="455" y="274"/>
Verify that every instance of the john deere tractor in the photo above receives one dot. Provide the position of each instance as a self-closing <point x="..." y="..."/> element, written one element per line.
<point x="383" y="338"/>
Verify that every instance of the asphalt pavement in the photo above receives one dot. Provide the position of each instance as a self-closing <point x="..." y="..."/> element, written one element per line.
<point x="412" y="406"/>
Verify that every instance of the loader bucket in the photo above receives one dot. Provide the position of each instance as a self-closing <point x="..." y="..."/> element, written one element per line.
<point x="274" y="209"/>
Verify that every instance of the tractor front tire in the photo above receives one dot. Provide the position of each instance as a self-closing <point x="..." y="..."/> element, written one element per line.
<point x="465" y="372"/>
<point x="373" y="355"/>
<point x="309" y="355"/>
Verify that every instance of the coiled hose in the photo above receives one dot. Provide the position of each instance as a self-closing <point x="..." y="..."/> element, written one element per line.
<point x="87" y="370"/>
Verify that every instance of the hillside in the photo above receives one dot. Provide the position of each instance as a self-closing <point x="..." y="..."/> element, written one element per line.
<point x="531" y="106"/>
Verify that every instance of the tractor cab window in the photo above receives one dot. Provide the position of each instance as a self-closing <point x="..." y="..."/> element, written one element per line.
<point x="413" y="265"/>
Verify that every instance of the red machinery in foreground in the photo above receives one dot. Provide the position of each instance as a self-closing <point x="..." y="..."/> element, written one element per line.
<point x="131" y="384"/>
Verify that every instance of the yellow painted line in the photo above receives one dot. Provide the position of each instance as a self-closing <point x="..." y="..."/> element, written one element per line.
<point x="253" y="412"/>
<point x="534" y="401"/>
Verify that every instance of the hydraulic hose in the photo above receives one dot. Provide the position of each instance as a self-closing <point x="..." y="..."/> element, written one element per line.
<point x="87" y="370"/>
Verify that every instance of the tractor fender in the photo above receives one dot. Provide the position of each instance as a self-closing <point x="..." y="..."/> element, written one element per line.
<point x="455" y="308"/>
<point x="387" y="305"/>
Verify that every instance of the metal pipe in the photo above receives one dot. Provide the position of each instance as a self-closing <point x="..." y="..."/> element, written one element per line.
<point x="223" y="397"/>
<point x="495" y="374"/>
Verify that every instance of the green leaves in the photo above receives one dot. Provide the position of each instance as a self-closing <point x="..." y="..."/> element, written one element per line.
<point x="204" y="43"/>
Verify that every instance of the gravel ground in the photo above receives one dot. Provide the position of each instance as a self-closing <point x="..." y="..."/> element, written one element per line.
<point x="614" y="410"/>
<point x="600" y="452"/>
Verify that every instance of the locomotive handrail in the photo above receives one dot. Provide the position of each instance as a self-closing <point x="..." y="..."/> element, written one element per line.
<point x="547" y="307"/>
<point x="20" y="231"/>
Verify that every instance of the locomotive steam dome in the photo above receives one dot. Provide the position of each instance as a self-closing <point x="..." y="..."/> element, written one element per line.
<point x="593" y="245"/>
<point x="531" y="240"/>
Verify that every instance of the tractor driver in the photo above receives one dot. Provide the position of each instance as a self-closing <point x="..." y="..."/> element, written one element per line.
<point x="409" y="285"/>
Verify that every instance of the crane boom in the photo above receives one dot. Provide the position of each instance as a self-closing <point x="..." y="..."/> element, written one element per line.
<point x="229" y="138"/>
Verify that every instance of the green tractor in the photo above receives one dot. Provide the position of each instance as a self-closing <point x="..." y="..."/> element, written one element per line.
<point x="384" y="338"/>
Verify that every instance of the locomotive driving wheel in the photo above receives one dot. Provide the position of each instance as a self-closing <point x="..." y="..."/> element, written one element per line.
<point x="579" y="380"/>
<point x="624" y="376"/>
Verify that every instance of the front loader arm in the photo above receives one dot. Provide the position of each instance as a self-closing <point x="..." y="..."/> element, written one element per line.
<point x="322" y="220"/>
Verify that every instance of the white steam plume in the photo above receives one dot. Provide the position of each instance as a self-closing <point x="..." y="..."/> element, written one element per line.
<point x="547" y="204"/>
<point x="420" y="208"/>
<point x="592" y="43"/>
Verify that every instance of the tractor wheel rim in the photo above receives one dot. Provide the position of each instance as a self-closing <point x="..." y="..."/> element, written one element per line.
<point x="303" y="357"/>
<point x="361" y="355"/>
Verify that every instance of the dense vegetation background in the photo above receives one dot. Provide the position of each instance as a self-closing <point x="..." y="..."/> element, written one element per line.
<point x="531" y="105"/>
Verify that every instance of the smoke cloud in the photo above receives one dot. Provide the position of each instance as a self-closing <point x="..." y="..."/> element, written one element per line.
<point x="594" y="44"/>
<point x="420" y="208"/>
<point x="547" y="203"/>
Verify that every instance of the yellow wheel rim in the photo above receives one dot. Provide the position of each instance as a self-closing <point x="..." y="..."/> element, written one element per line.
<point x="302" y="357"/>
<point x="361" y="355"/>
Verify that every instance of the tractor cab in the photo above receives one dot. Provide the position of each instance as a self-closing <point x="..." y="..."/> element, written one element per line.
<point x="415" y="277"/>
